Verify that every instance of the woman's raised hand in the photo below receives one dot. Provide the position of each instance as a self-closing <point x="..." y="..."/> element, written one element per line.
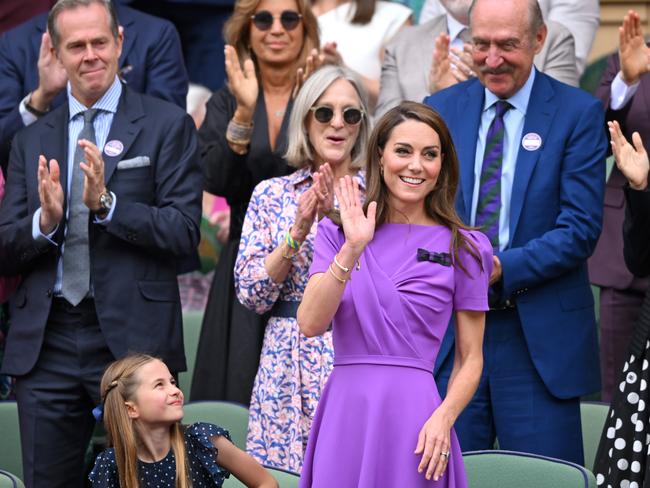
<point x="324" y="189"/>
<point x="358" y="228"/>
<point x="243" y="83"/>
<point x="631" y="160"/>
<point x="633" y="51"/>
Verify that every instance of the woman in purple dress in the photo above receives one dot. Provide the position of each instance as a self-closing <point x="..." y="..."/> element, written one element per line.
<point x="388" y="276"/>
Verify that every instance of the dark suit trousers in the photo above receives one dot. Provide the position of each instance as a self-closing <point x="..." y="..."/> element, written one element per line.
<point x="619" y="311"/>
<point x="56" y="398"/>
<point x="512" y="404"/>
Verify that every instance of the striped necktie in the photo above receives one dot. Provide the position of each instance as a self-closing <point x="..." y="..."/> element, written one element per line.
<point x="489" y="196"/>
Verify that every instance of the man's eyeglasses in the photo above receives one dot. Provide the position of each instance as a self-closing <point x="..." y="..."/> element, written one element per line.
<point x="263" y="19"/>
<point x="324" y="114"/>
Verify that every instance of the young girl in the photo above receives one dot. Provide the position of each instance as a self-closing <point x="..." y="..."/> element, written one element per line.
<point x="143" y="408"/>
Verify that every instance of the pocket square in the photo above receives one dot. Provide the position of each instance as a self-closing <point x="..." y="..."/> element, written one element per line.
<point x="137" y="162"/>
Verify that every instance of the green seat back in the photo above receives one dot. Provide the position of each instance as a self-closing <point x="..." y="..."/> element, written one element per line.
<point x="507" y="469"/>
<point x="231" y="416"/>
<point x="11" y="459"/>
<point x="8" y="480"/>
<point x="593" y="416"/>
<point x="191" y="332"/>
<point x="285" y="479"/>
<point x="590" y="79"/>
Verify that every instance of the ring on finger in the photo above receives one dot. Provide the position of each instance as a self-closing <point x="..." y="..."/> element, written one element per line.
<point x="445" y="454"/>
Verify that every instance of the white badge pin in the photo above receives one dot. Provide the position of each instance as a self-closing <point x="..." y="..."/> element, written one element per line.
<point x="531" y="141"/>
<point x="113" y="148"/>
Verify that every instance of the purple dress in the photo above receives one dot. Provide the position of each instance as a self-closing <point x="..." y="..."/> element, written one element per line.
<point x="387" y="333"/>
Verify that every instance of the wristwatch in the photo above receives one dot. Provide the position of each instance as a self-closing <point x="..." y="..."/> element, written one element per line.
<point x="105" y="204"/>
<point x="33" y="110"/>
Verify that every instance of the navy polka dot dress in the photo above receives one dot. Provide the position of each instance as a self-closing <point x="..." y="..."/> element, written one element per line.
<point x="201" y="453"/>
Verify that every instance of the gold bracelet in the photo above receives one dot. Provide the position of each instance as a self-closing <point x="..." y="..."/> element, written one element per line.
<point x="340" y="266"/>
<point x="288" y="254"/>
<point x="340" y="280"/>
<point x="343" y="268"/>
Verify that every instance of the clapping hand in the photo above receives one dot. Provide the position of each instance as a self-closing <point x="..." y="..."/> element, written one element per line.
<point x="324" y="189"/>
<point x="52" y="78"/>
<point x="441" y="75"/>
<point x="305" y="215"/>
<point x="243" y="83"/>
<point x="633" y="51"/>
<point x="93" y="169"/>
<point x="631" y="160"/>
<point x="462" y="62"/>
<point x="358" y="228"/>
<point x="314" y="61"/>
<point x="50" y="194"/>
<point x="331" y="54"/>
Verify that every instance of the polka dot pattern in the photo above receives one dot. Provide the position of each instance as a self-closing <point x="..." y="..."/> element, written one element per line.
<point x="201" y="453"/>
<point x="624" y="447"/>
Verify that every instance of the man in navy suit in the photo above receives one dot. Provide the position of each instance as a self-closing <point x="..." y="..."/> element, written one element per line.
<point x="543" y="213"/>
<point x="96" y="230"/>
<point x="32" y="82"/>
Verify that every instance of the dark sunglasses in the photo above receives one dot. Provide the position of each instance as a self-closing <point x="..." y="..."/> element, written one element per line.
<point x="351" y="115"/>
<point x="289" y="19"/>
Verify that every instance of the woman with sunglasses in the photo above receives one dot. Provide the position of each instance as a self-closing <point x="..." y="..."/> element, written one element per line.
<point x="328" y="132"/>
<point x="354" y="32"/>
<point x="243" y="141"/>
<point x="387" y="277"/>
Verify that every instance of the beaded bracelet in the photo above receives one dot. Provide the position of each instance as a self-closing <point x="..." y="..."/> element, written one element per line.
<point x="291" y="242"/>
<point x="239" y="134"/>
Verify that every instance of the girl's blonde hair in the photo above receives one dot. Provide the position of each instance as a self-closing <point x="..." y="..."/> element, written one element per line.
<point x="118" y="386"/>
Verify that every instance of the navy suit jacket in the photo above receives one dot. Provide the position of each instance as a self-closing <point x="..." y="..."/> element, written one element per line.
<point x="151" y="49"/>
<point x="133" y="259"/>
<point x="555" y="221"/>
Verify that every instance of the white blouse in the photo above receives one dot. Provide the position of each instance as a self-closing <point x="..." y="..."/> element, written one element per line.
<point x="360" y="45"/>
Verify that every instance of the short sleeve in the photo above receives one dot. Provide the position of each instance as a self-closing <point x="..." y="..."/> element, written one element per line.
<point x="104" y="473"/>
<point x="471" y="286"/>
<point x="328" y="241"/>
<point x="198" y="438"/>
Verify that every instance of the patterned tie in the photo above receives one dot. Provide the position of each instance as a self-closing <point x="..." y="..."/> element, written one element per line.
<point x="76" y="257"/>
<point x="465" y="35"/>
<point x="489" y="195"/>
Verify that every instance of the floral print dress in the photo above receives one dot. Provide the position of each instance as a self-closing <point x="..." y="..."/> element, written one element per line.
<point x="293" y="368"/>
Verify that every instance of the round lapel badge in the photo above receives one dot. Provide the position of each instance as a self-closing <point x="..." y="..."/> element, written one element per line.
<point x="113" y="148"/>
<point x="531" y="141"/>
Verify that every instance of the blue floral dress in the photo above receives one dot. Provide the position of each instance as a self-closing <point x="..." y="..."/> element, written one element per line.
<point x="293" y="368"/>
<point x="201" y="453"/>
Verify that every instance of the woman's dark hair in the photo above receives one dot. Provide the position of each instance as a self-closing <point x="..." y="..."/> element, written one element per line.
<point x="439" y="203"/>
<point x="363" y="11"/>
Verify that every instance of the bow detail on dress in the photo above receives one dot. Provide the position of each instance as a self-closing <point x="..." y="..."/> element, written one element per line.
<point x="434" y="257"/>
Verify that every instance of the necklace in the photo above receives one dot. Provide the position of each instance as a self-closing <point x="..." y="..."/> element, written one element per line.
<point x="279" y="113"/>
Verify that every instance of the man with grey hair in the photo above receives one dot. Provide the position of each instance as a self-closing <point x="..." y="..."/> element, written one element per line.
<point x="532" y="164"/>
<point x="103" y="202"/>
<point x="444" y="42"/>
<point x="32" y="81"/>
<point x="580" y="17"/>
